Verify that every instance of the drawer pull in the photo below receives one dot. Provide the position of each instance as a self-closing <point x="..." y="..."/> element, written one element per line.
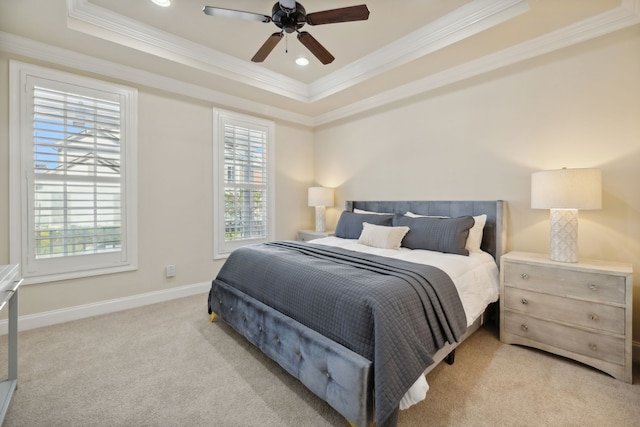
<point x="524" y="301"/>
<point x="593" y="287"/>
<point x="594" y="317"/>
<point x="593" y="347"/>
<point x="524" y="327"/>
<point x="525" y="276"/>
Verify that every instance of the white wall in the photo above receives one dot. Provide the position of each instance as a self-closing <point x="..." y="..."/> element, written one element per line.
<point x="481" y="139"/>
<point x="175" y="167"/>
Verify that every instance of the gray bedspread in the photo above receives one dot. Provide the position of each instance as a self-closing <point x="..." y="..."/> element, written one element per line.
<point x="395" y="313"/>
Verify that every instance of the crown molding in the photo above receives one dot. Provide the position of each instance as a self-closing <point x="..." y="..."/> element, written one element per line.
<point x="97" y="21"/>
<point x="24" y="47"/>
<point x="464" y="22"/>
<point x="626" y="15"/>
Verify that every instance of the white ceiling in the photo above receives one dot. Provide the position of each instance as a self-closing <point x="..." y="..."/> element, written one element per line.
<point x="405" y="47"/>
<point x="241" y="39"/>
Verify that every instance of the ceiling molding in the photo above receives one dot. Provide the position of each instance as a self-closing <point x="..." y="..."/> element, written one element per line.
<point x="24" y="47"/>
<point x="464" y="22"/>
<point x="99" y="22"/>
<point x="626" y="15"/>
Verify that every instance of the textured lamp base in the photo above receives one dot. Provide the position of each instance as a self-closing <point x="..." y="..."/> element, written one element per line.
<point x="564" y="235"/>
<point x="320" y="218"/>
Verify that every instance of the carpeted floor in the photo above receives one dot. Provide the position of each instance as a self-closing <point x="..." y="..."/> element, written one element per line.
<point x="166" y="365"/>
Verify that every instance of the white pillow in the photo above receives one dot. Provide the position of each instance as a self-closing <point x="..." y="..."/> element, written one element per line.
<point x="474" y="240"/>
<point x="361" y="211"/>
<point x="412" y="215"/>
<point x="381" y="236"/>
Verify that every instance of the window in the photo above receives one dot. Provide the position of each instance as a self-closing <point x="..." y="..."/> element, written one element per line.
<point x="242" y="181"/>
<point x="73" y="192"/>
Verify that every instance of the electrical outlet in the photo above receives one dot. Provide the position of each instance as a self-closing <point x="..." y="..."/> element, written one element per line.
<point x="171" y="270"/>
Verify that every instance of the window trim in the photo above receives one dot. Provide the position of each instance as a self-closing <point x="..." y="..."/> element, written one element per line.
<point x="21" y="159"/>
<point x="222" y="249"/>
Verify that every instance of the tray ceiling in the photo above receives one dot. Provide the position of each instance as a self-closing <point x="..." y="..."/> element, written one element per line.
<point x="403" y="49"/>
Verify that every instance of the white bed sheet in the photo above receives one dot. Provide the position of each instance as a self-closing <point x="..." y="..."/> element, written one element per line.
<point x="476" y="278"/>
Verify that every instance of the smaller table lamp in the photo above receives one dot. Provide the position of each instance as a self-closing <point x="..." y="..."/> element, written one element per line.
<point x="565" y="191"/>
<point x="320" y="198"/>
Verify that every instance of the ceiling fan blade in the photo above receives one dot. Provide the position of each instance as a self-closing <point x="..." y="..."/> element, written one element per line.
<point x="236" y="14"/>
<point x="267" y="47"/>
<point x="344" y="14"/>
<point x="316" y="48"/>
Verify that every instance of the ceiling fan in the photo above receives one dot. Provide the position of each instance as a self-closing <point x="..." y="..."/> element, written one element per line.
<point x="290" y="16"/>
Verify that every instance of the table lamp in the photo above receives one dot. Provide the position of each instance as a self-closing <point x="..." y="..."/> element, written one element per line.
<point x="564" y="192"/>
<point x="320" y="198"/>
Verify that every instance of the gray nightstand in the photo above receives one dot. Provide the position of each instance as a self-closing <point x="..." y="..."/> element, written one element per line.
<point x="306" y="235"/>
<point x="580" y="310"/>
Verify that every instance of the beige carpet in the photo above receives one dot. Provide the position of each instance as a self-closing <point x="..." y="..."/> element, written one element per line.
<point x="166" y="365"/>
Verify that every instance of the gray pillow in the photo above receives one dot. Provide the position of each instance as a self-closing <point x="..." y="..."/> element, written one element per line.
<point x="350" y="224"/>
<point x="447" y="235"/>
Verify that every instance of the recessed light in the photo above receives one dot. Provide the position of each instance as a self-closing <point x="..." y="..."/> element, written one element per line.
<point x="163" y="3"/>
<point x="302" y="61"/>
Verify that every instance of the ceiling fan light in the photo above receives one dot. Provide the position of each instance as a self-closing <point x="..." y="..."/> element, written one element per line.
<point x="302" y="61"/>
<point x="288" y="5"/>
<point x="162" y="3"/>
<point x="290" y="16"/>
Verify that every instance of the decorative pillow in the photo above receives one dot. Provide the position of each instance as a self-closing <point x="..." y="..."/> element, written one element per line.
<point x="412" y="215"/>
<point x="381" y="236"/>
<point x="475" y="233"/>
<point x="361" y="211"/>
<point x="447" y="235"/>
<point x="350" y="224"/>
<point x="474" y="241"/>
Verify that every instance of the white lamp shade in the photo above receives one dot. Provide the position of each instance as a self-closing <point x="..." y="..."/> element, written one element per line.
<point x="320" y="196"/>
<point x="564" y="192"/>
<point x="566" y="189"/>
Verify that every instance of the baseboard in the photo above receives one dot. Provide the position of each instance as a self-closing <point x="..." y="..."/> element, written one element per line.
<point x="33" y="321"/>
<point x="38" y="320"/>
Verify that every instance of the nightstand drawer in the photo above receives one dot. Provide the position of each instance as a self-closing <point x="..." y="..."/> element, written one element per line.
<point x="593" y="315"/>
<point x="591" y="344"/>
<point x="566" y="282"/>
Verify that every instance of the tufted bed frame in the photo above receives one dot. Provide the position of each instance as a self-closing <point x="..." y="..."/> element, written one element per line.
<point x="336" y="374"/>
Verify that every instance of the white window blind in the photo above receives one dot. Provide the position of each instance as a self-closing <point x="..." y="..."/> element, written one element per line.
<point x="244" y="181"/>
<point x="245" y="187"/>
<point x="73" y="195"/>
<point x="76" y="163"/>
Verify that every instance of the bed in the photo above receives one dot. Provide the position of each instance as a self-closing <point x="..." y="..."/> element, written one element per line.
<point x="359" y="327"/>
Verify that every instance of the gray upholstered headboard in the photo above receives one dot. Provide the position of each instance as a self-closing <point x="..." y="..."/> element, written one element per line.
<point x="494" y="235"/>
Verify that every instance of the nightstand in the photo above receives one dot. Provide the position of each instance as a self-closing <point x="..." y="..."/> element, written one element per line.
<point x="581" y="310"/>
<point x="306" y="235"/>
